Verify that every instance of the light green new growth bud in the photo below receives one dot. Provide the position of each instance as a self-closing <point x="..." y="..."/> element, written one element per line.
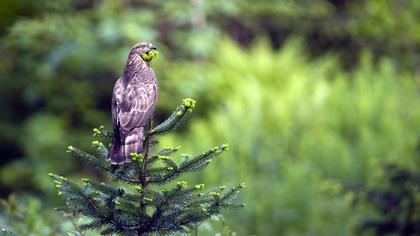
<point x="96" y="132"/>
<point x="148" y="199"/>
<point x="222" y="187"/>
<point x="150" y="55"/>
<point x="95" y="143"/>
<point x="134" y="156"/>
<point x="58" y="185"/>
<point x="98" y="192"/>
<point x="189" y="103"/>
<point x="50" y="174"/>
<point x="70" y="149"/>
<point x="145" y="57"/>
<point x="85" y="180"/>
<point x="138" y="188"/>
<point x="199" y="186"/>
<point x="179" y="113"/>
<point x="242" y="185"/>
<point x="101" y="127"/>
<point x="182" y="184"/>
<point x="57" y="182"/>
<point x="116" y="202"/>
<point x="60" y="193"/>
<point x="225" y="146"/>
<point x="215" y="194"/>
<point x="62" y="178"/>
<point x="170" y="168"/>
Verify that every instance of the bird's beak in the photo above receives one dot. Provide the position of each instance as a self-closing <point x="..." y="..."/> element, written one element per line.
<point x="152" y="47"/>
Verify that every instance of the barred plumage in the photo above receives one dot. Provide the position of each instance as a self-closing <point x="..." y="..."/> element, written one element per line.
<point x="133" y="101"/>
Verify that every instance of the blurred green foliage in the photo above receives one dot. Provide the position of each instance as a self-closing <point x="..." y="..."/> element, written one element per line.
<point x="21" y="215"/>
<point x="298" y="128"/>
<point x="394" y="205"/>
<point x="310" y="95"/>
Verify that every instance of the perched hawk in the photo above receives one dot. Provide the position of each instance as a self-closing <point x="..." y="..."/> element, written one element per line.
<point x="133" y="102"/>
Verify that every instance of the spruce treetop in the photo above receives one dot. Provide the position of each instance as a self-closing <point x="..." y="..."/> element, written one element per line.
<point x="148" y="207"/>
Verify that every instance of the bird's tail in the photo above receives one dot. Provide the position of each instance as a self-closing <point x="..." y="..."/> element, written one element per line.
<point x="121" y="149"/>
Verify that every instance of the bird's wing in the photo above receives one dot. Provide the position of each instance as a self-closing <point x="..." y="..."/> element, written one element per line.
<point x="117" y="99"/>
<point x="137" y="106"/>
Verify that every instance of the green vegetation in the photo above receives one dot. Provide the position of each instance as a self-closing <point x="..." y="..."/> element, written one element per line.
<point x="145" y="209"/>
<point x="300" y="129"/>
<point x="314" y="98"/>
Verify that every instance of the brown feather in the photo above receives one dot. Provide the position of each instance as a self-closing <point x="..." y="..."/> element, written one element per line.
<point x="133" y="102"/>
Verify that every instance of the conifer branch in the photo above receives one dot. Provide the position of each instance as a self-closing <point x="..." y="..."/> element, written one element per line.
<point x="128" y="172"/>
<point x="100" y="149"/>
<point x="89" y="159"/>
<point x="165" y="202"/>
<point x="222" y="202"/>
<point x="175" y="118"/>
<point x="101" y="132"/>
<point x="112" y="210"/>
<point x="72" y="193"/>
<point x="166" y="152"/>
<point x="196" y="163"/>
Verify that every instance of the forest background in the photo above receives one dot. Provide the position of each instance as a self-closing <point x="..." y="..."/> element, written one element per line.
<point x="315" y="99"/>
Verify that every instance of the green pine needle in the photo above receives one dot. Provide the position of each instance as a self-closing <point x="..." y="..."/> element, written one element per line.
<point x="114" y="210"/>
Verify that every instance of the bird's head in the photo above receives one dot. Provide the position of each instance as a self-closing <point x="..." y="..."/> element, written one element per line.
<point x="147" y="51"/>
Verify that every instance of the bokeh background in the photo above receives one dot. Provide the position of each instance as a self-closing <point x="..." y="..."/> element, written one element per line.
<point x="314" y="97"/>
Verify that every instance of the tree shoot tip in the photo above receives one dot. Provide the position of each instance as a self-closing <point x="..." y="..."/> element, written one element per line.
<point x="182" y="184"/>
<point x="199" y="186"/>
<point x="189" y="103"/>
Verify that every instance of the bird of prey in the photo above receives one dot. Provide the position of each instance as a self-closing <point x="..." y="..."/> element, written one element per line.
<point x="133" y="101"/>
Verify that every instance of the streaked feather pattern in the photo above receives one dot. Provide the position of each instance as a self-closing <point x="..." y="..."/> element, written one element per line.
<point x="133" y="101"/>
